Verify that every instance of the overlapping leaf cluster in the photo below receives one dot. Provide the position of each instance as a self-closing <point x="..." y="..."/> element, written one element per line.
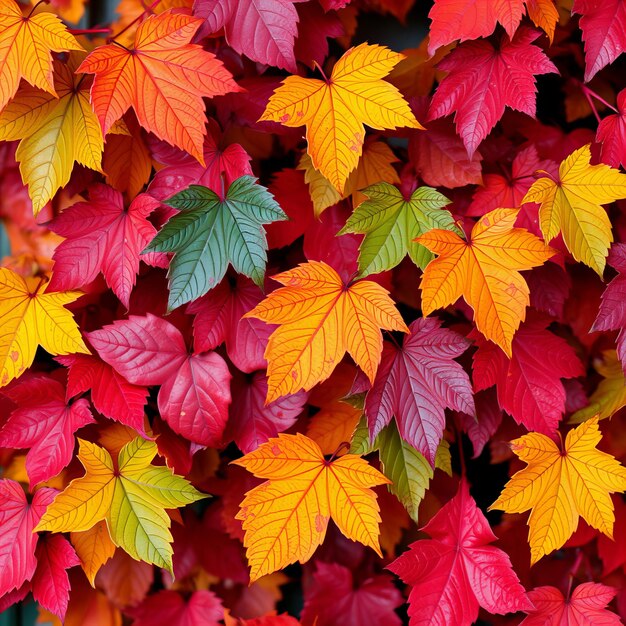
<point x="270" y="284"/>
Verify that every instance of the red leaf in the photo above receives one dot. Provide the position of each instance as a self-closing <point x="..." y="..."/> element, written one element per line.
<point x="604" y="32"/>
<point x="315" y="27"/>
<point x="195" y="391"/>
<point x="612" y="134"/>
<point x="111" y="393"/>
<point x="529" y="384"/>
<point x="488" y="418"/>
<point x="585" y="607"/>
<point x="263" y="30"/>
<point x="417" y="382"/>
<point x="613" y="551"/>
<point x="483" y="80"/>
<point x="17" y="540"/>
<point x="456" y="571"/>
<point x="51" y="585"/>
<point x="44" y="422"/>
<point x="335" y="598"/>
<point x="169" y="608"/>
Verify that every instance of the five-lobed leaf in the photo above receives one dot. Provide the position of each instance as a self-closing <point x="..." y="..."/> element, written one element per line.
<point x="210" y="232"/>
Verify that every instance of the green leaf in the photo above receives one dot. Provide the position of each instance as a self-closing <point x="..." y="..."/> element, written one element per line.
<point x="209" y="233"/>
<point x="391" y="223"/>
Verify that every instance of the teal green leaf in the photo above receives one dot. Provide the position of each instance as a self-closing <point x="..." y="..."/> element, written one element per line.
<point x="209" y="233"/>
<point x="390" y="224"/>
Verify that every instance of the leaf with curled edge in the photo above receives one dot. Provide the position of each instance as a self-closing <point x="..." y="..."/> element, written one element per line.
<point x="131" y="496"/>
<point x="561" y="485"/>
<point x="285" y="518"/>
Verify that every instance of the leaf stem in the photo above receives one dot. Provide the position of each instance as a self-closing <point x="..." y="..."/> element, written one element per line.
<point x="319" y="67"/>
<point x="35" y="7"/>
<point x="590" y="92"/>
<point x="137" y="19"/>
<point x="343" y="445"/>
<point x="88" y="31"/>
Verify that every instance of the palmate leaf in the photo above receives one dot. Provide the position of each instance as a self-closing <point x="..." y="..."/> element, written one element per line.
<point x="211" y="232"/>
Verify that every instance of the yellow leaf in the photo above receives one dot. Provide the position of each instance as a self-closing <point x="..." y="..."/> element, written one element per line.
<point x="335" y="110"/>
<point x="285" y="518"/>
<point x="26" y="44"/>
<point x="544" y="15"/>
<point x="571" y="206"/>
<point x="333" y="425"/>
<point x="131" y="496"/>
<point x="94" y="548"/>
<point x="30" y="317"/>
<point x="485" y="271"/>
<point x="559" y="486"/>
<point x="54" y="133"/>
<point x="320" y="319"/>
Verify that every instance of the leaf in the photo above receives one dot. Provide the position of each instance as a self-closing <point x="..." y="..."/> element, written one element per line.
<point x="170" y="608"/>
<point x="45" y="423"/>
<point x="26" y="44"/>
<point x="585" y="607"/>
<point x="162" y="77"/>
<point x="304" y="491"/>
<point x="483" y="80"/>
<point x="529" y="383"/>
<point x="334" y="597"/>
<point x="604" y="32"/>
<point x="335" y="111"/>
<point x="559" y="486"/>
<point x="471" y="19"/>
<point x="94" y="548"/>
<point x="51" y="585"/>
<point x="29" y="316"/>
<point x="195" y="390"/>
<point x="131" y="496"/>
<point x="211" y="232"/>
<point x="391" y="223"/>
<point x="320" y="319"/>
<point x="456" y="571"/>
<point x="102" y="235"/>
<point x="612" y="134"/>
<point x="571" y="205"/>
<point x="416" y="383"/>
<point x="18" y="518"/>
<point x="263" y="30"/>
<point x="55" y="132"/>
<point x="126" y="581"/>
<point x="485" y="271"/>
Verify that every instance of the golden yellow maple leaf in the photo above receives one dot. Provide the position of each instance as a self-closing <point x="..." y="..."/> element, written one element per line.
<point x="94" y="548"/>
<point x="30" y="317"/>
<point x="320" y="319"/>
<point x="559" y="486"/>
<point x="485" y="271"/>
<point x="130" y="495"/>
<point x="285" y="518"/>
<point x="571" y="206"/>
<point x="335" y="110"/>
<point x="26" y="46"/>
<point x="54" y="132"/>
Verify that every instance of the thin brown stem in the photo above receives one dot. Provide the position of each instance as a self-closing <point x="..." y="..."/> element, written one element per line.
<point x="35" y="7"/>
<point x="137" y="19"/>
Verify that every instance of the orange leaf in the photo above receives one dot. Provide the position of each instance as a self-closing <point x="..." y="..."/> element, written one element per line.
<point x="163" y="78"/>
<point x="485" y="271"/>
<point x="320" y="319"/>
<point x="94" y="548"/>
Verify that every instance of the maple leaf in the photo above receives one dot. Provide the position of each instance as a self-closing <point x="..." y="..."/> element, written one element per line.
<point x="163" y="78"/>
<point x="334" y="598"/>
<point x="612" y="134"/>
<point x="485" y="271"/>
<point x="263" y="30"/>
<point x="131" y="496"/>
<point x="483" y="80"/>
<point x="415" y="383"/>
<point x="529" y="383"/>
<point x="315" y="27"/>
<point x="391" y="222"/>
<point x="94" y="548"/>
<point x="102" y="235"/>
<point x="210" y="232"/>
<point x="571" y="205"/>
<point x="26" y="44"/>
<point x="18" y="518"/>
<point x="456" y="571"/>
<point x="45" y="423"/>
<point x="303" y="491"/>
<point x="55" y="130"/>
<point x="604" y="32"/>
<point x="584" y="607"/>
<point x="559" y="486"/>
<point x="461" y="20"/>
<point x="170" y="608"/>
<point x="195" y="391"/>
<point x="29" y="316"/>
<point x="335" y="110"/>
<point x="320" y="319"/>
<point x="125" y="580"/>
